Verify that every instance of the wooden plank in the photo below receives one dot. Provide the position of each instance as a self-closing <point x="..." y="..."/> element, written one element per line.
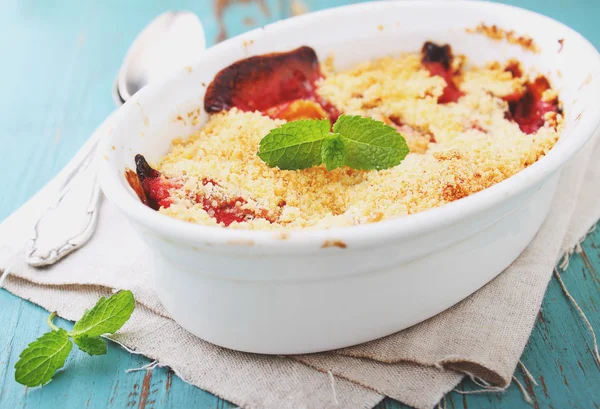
<point x="63" y="60"/>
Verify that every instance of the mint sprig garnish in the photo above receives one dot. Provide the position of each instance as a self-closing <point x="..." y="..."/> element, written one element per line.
<point x="41" y="359"/>
<point x="356" y="142"/>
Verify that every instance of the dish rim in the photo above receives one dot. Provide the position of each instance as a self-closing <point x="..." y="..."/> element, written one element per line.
<point x="362" y="235"/>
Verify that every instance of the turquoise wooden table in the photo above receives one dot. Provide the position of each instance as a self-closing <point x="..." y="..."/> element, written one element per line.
<point x="59" y="59"/>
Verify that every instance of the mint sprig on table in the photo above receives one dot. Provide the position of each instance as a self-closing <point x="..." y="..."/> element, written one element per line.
<point x="41" y="359"/>
<point x="356" y="142"/>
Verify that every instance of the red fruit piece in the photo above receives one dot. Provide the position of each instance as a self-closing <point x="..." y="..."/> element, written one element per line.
<point x="528" y="111"/>
<point x="438" y="60"/>
<point x="155" y="187"/>
<point x="266" y="81"/>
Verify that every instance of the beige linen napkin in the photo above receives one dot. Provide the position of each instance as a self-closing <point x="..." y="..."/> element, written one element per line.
<point x="483" y="336"/>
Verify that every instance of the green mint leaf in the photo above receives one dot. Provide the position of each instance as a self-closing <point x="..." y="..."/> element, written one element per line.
<point x="370" y="144"/>
<point x="333" y="151"/>
<point x="42" y="358"/>
<point x="91" y="345"/>
<point x="106" y="317"/>
<point x="295" y="145"/>
<point x="356" y="142"/>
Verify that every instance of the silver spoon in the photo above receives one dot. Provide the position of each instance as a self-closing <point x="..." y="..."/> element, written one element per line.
<point x="169" y="42"/>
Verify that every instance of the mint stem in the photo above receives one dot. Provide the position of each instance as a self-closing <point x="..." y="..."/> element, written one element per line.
<point x="50" y="323"/>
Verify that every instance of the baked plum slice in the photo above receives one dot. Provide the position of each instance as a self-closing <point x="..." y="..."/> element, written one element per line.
<point x="281" y="85"/>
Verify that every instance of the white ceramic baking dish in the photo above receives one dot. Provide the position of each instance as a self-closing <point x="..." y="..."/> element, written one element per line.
<point x="293" y="293"/>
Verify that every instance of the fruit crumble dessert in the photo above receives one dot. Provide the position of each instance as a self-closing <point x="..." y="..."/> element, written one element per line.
<point x="467" y="128"/>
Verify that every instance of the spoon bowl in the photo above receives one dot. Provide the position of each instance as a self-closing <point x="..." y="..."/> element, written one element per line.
<point x="168" y="42"/>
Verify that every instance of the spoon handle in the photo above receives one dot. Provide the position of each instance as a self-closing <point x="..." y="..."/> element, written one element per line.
<point x="70" y="219"/>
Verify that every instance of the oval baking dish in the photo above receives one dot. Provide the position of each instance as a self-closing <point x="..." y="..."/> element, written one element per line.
<point x="314" y="290"/>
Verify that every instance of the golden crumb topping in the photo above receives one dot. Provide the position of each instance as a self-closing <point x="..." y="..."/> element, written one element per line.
<point x="457" y="149"/>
